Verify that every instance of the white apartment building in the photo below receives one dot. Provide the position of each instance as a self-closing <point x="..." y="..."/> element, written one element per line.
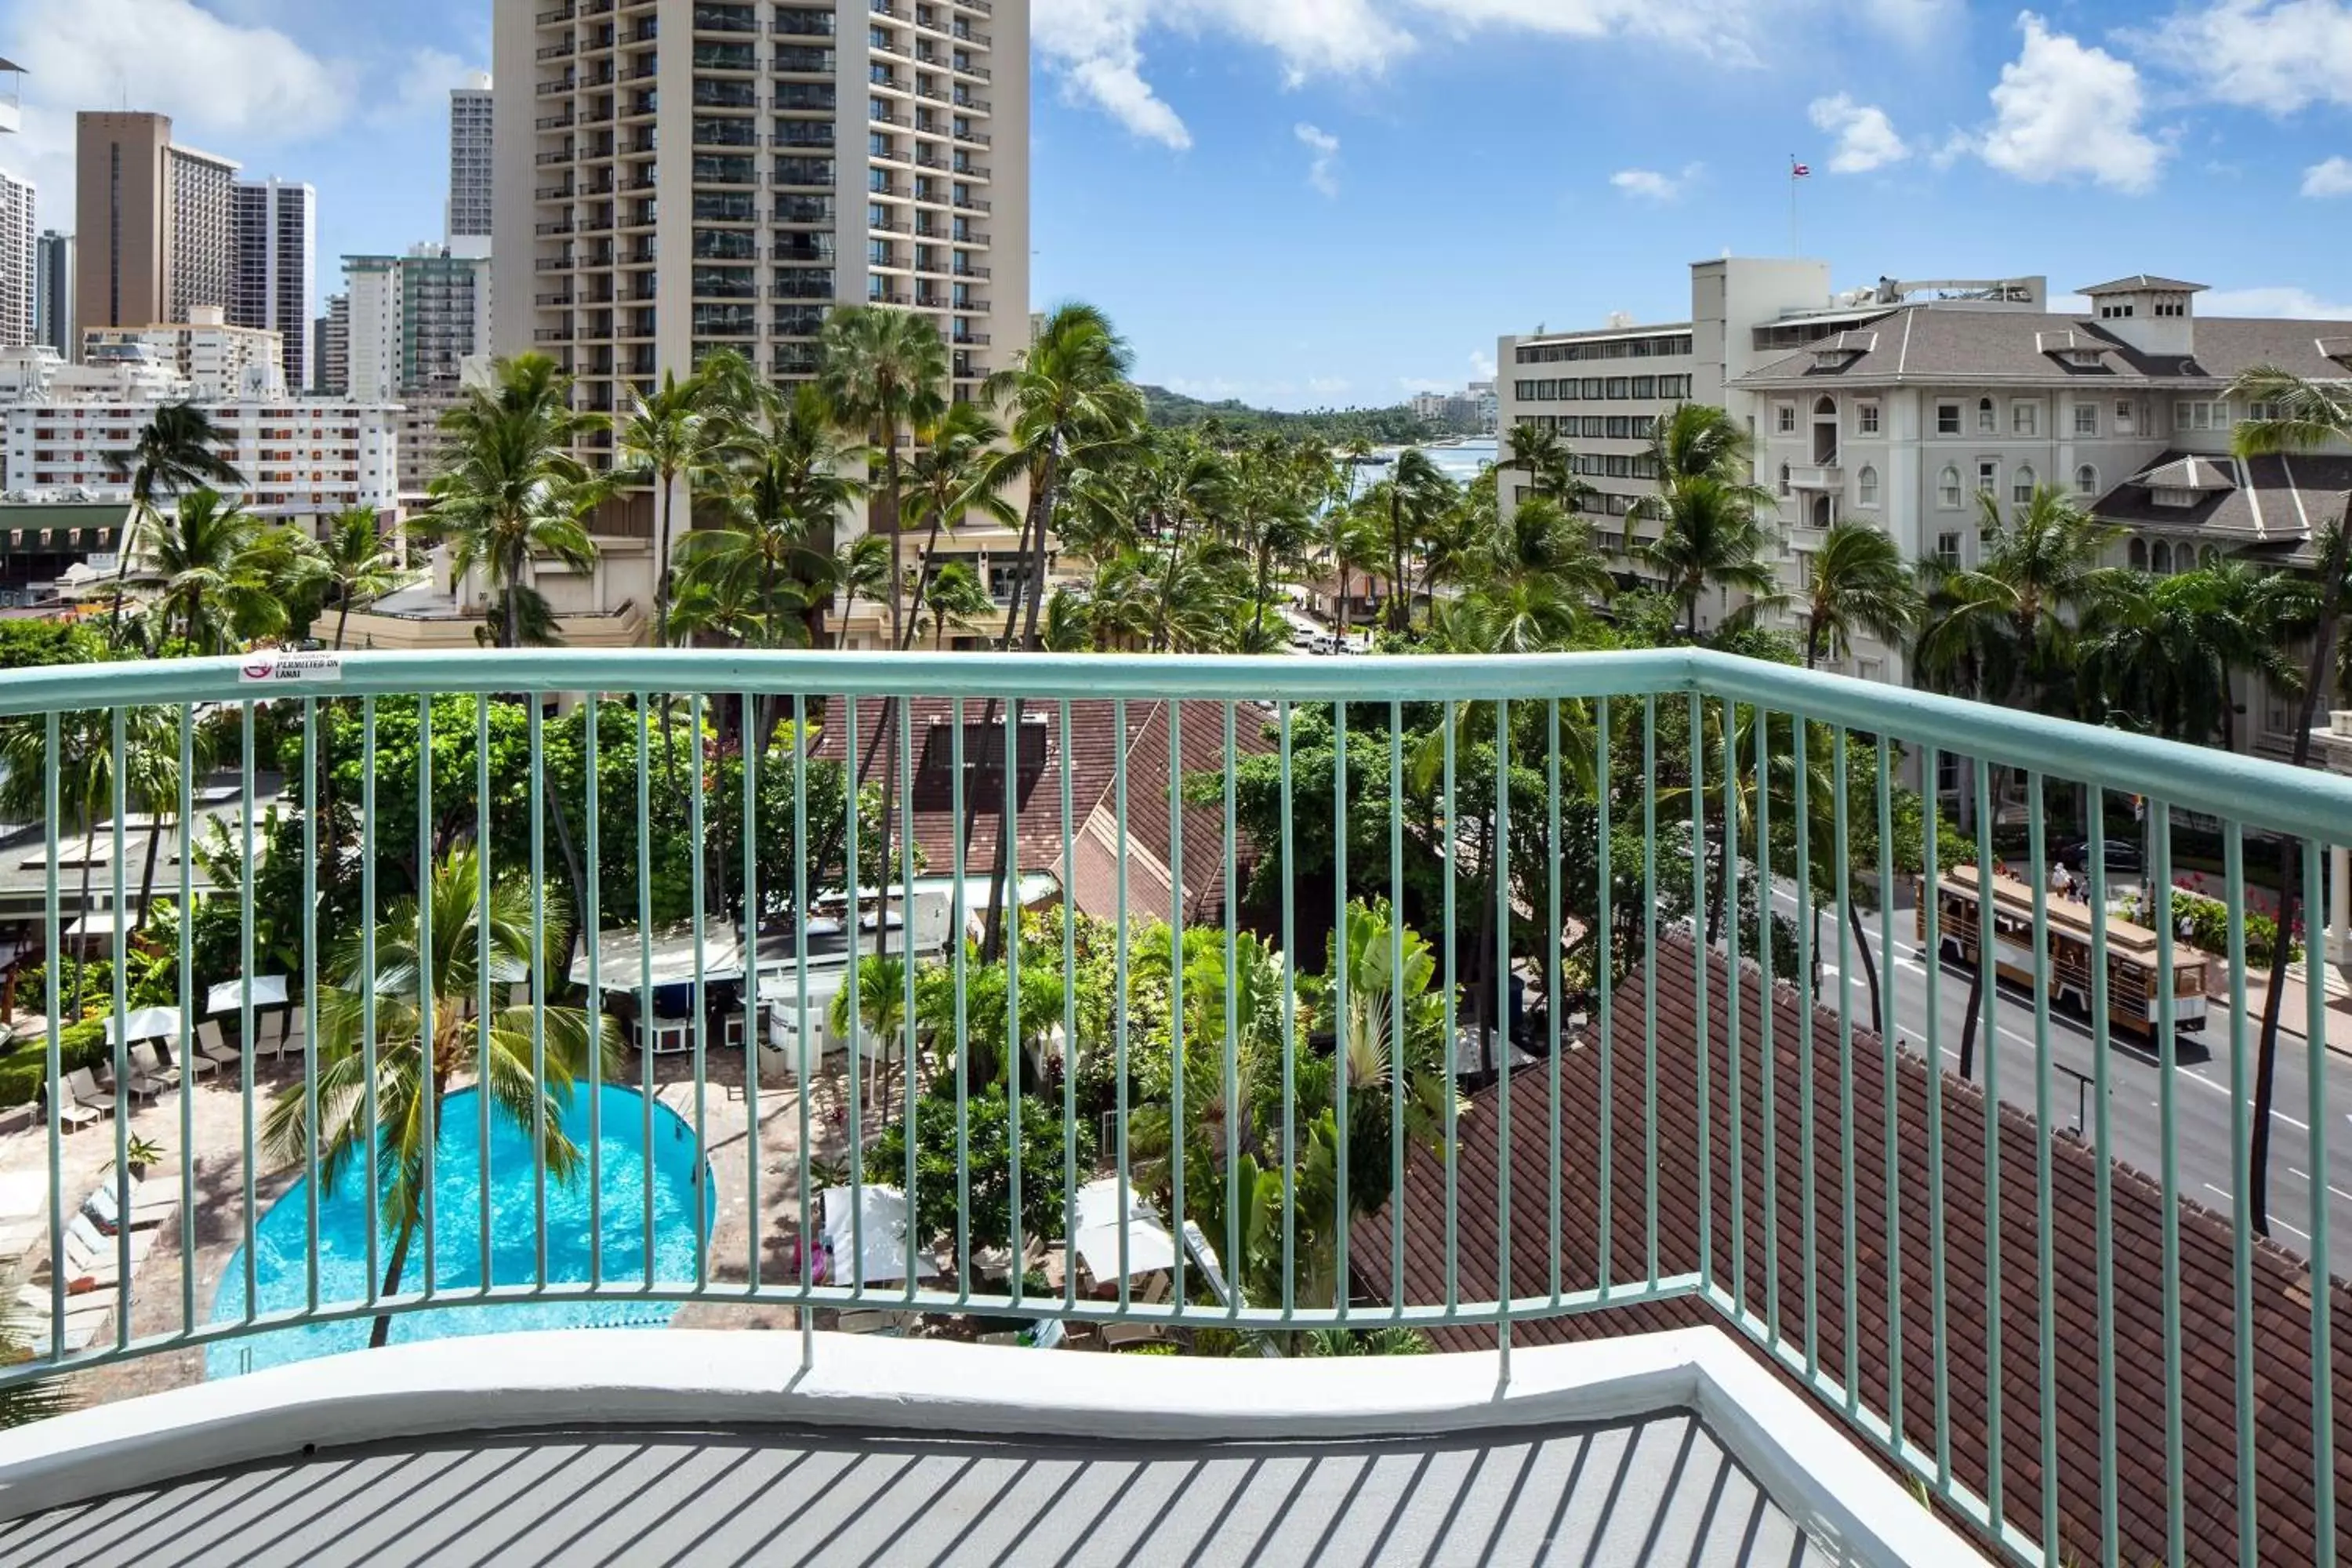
<point x="414" y="320"/>
<point x="468" y="216"/>
<point x="19" y="274"/>
<point x="278" y="266"/>
<point x="301" y="458"/>
<point x="676" y="176"/>
<point x="221" y="361"/>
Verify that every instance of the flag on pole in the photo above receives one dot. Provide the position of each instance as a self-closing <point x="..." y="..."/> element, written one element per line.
<point x="1799" y="171"/>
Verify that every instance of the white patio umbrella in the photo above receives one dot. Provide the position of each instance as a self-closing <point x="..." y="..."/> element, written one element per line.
<point x="883" y="1230"/>
<point x="1149" y="1247"/>
<point x="144" y="1023"/>
<point x="269" y="991"/>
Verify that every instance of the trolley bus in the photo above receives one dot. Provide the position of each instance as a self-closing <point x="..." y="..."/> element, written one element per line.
<point x="2132" y="974"/>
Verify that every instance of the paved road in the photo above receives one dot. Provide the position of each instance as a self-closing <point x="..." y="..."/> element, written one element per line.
<point x="2202" y="1136"/>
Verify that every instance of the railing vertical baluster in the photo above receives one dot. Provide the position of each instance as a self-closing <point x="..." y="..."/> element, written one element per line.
<point x="1734" y="1084"/>
<point x="1233" y="1257"/>
<point x="1069" y="1014"/>
<point x="482" y="986"/>
<point x="592" y="931"/>
<point x="2159" y="816"/>
<point x="1449" y="840"/>
<point x="1340" y="1055"/>
<point x="855" y="1017"/>
<point x="1120" y="1001"/>
<point x="1890" y="1084"/>
<point x="1650" y="988"/>
<point x="751" y="740"/>
<point x="1931" y="914"/>
<point x="536" y="739"/>
<point x="118" y="784"/>
<point x="187" y="1058"/>
<point x="1988" y="980"/>
<point x="1396" y="1004"/>
<point x="1767" y="1026"/>
<point x="907" y="1074"/>
<point x="245" y="1001"/>
<point x="696" y="871"/>
<point x="2095" y="866"/>
<point x="962" y="1037"/>
<point x="1552" y="999"/>
<point x="1176" y="1122"/>
<point x="313" y="760"/>
<point x="1498" y="998"/>
<point x="2242" y="1250"/>
<point x="1699" y="967"/>
<point x="2045" y="1258"/>
<point x="2317" y="1115"/>
<point x="1605" y="775"/>
<point x="1800" y="765"/>
<point x="52" y="1065"/>
<point x="1011" y="755"/>
<point x="805" y="1218"/>
<point x="427" y="1113"/>
<point x="371" y="1191"/>
<point x="1842" y="861"/>
<point x="1289" y="880"/>
<point x="647" y="1018"/>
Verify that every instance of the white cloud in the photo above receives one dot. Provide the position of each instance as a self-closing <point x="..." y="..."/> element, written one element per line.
<point x="2330" y="178"/>
<point x="1865" y="137"/>
<point x="2276" y="301"/>
<point x="1482" y="365"/>
<point x="1651" y="186"/>
<point x="2065" y="111"/>
<point x="2273" y="54"/>
<point x="1326" y="149"/>
<point x="422" y="85"/>
<point x="222" y="79"/>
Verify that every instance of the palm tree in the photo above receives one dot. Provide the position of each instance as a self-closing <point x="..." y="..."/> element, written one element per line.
<point x="884" y="372"/>
<point x="881" y="1011"/>
<point x="1859" y="583"/>
<point x="956" y="597"/>
<point x="1709" y="536"/>
<point x="1536" y="451"/>
<point x="30" y="1399"/>
<point x="1067" y="393"/>
<point x="772" y="554"/>
<point x="214" y="580"/>
<point x="1356" y="542"/>
<point x="1701" y="441"/>
<point x="954" y="475"/>
<point x="177" y="451"/>
<point x="358" y="565"/>
<point x="512" y="491"/>
<point x="1544" y="544"/>
<point x="2162" y="652"/>
<point x="1415" y="492"/>
<point x="681" y="430"/>
<point x="382" y="1125"/>
<point x="2303" y="415"/>
<point x="2002" y="630"/>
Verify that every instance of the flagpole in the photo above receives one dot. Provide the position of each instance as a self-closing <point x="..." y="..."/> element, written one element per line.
<point x="1796" y="250"/>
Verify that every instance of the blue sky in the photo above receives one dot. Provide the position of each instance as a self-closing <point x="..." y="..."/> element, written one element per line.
<point x="1335" y="201"/>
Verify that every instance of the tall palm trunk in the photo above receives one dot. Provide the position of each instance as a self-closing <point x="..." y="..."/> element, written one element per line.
<point x="2316" y="683"/>
<point x="661" y="568"/>
<point x="139" y="508"/>
<point x="1168" y="585"/>
<point x="1048" y="477"/>
<point x="1869" y="970"/>
<point x="1399" y="607"/>
<point x="381" y="1334"/>
<point x="1967" y="1023"/>
<point x="1343" y="602"/>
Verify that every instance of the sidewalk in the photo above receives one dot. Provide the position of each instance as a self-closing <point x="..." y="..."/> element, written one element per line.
<point x="2293" y="1001"/>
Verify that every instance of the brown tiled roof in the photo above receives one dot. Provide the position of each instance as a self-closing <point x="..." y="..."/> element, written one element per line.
<point x="2280" y="1326"/>
<point x="1945" y="345"/>
<point x="2277" y="502"/>
<point x="1094" y="741"/>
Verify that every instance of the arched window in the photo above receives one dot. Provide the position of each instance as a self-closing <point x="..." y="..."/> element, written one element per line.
<point x="1822" y="512"/>
<point x="1784" y="478"/>
<point x="1948" y="489"/>
<point x="2020" y="486"/>
<point x="2140" y="554"/>
<point x="2160" y="559"/>
<point x="2086" y="480"/>
<point x="1984" y="416"/>
<point x="1824" y="408"/>
<point x="1865" y="486"/>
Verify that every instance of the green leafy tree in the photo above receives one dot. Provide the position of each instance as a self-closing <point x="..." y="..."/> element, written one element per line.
<point x="1709" y="536"/>
<point x="680" y="430"/>
<point x="178" y="451"/>
<point x="956" y="597"/>
<point x="208" y="553"/>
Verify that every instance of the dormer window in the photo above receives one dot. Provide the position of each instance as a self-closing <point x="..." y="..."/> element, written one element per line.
<point x="2174" y="498"/>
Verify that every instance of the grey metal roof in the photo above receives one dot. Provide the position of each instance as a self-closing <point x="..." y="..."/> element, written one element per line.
<point x="2136" y="283"/>
<point x="1658" y="1488"/>
<point x="2273" y="506"/>
<point x="1940" y="346"/>
<point x="2188" y="472"/>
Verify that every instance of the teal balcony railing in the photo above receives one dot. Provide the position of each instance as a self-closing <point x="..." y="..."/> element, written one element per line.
<point x="1486" y="999"/>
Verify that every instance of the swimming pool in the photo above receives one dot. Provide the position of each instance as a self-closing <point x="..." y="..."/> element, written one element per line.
<point x="681" y="1224"/>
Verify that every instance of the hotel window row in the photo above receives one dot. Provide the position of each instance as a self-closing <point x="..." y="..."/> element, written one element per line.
<point x="1595" y="388"/>
<point x="1664" y="347"/>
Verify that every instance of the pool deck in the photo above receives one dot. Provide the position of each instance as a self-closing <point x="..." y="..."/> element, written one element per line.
<point x="1657" y="1488"/>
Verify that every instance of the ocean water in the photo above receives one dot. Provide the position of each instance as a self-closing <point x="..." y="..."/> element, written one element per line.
<point x="684" y="1206"/>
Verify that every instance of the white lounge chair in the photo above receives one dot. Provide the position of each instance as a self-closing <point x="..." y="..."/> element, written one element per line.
<point x="81" y="1089"/>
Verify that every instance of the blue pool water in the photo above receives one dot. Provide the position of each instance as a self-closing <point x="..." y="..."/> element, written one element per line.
<point x="683" y="1207"/>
